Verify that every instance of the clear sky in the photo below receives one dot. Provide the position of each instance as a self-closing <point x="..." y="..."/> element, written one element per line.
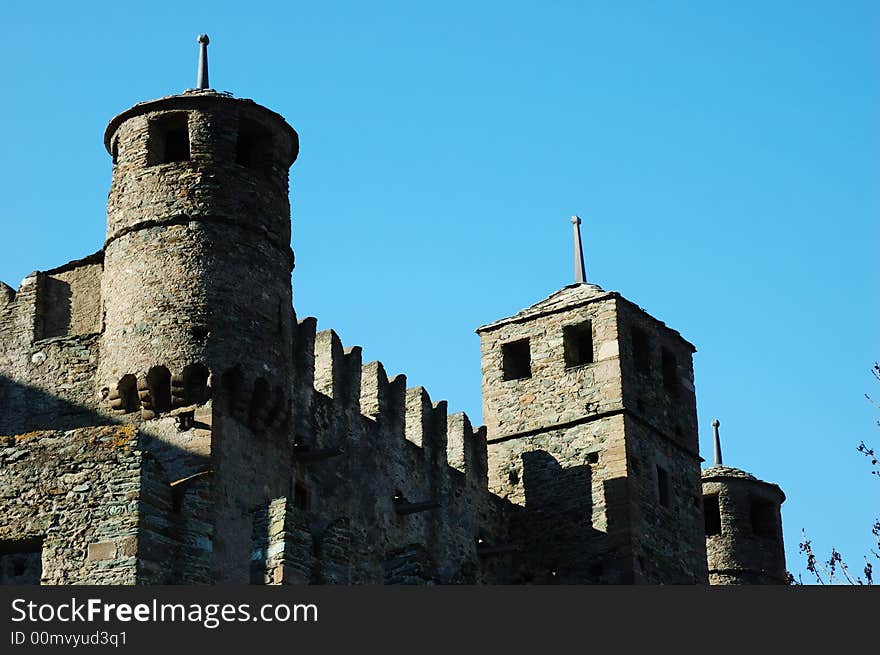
<point x="723" y="156"/>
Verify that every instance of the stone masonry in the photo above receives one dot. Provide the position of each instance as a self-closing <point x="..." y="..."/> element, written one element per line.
<point x="170" y="420"/>
<point x="578" y="443"/>
<point x="743" y="528"/>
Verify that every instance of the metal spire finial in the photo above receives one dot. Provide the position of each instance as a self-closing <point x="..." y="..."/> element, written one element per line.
<point x="715" y="424"/>
<point x="580" y="272"/>
<point x="202" y="81"/>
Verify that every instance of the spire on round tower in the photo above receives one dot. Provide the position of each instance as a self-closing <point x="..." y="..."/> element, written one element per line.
<point x="202" y="79"/>
<point x="717" y="438"/>
<point x="580" y="271"/>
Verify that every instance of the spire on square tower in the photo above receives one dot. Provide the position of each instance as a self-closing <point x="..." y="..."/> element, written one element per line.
<point x="580" y="271"/>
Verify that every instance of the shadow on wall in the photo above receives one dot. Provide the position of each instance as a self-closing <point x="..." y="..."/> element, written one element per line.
<point x="174" y="543"/>
<point x="558" y="542"/>
<point x="185" y="447"/>
<point x="24" y="408"/>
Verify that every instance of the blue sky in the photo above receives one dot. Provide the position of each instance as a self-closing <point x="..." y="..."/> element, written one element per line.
<point x="723" y="157"/>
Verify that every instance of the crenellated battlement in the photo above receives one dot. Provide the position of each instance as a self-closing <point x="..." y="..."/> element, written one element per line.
<point x="404" y="417"/>
<point x="7" y="294"/>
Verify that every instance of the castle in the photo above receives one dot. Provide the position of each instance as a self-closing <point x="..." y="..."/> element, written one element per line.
<point x="169" y="420"/>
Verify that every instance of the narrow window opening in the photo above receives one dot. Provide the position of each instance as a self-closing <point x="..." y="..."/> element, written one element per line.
<point x="763" y="516"/>
<point x="114" y="152"/>
<point x="663" y="490"/>
<point x="592" y="458"/>
<point x="168" y="139"/>
<point x="254" y="146"/>
<point x="516" y="360"/>
<point x="578" y="344"/>
<point x="641" y="350"/>
<point x="513" y="476"/>
<point x="670" y="373"/>
<point x="712" y="514"/>
<point x="159" y="384"/>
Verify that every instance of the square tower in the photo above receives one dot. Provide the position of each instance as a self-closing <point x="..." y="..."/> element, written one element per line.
<point x="592" y="439"/>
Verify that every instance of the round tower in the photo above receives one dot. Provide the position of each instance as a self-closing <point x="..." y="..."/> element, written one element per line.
<point x="743" y="525"/>
<point x="196" y="285"/>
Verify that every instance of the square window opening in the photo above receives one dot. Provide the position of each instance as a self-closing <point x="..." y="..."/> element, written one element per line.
<point x="578" y="344"/>
<point x="516" y="359"/>
<point x="641" y="348"/>
<point x="254" y="147"/>
<point x="763" y="515"/>
<point x="168" y="139"/>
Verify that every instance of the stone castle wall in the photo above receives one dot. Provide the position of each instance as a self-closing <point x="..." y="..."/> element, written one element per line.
<point x="359" y="443"/>
<point x="181" y="426"/>
<point x="49" y="331"/>
<point x="662" y="449"/>
<point x="395" y="490"/>
<point x="669" y="542"/>
<point x="86" y="506"/>
<point x="407" y="481"/>
<point x="69" y="299"/>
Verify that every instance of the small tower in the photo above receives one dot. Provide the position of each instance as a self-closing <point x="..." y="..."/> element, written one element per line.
<point x="592" y="437"/>
<point x="743" y="525"/>
<point x="198" y="197"/>
<point x="197" y="300"/>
